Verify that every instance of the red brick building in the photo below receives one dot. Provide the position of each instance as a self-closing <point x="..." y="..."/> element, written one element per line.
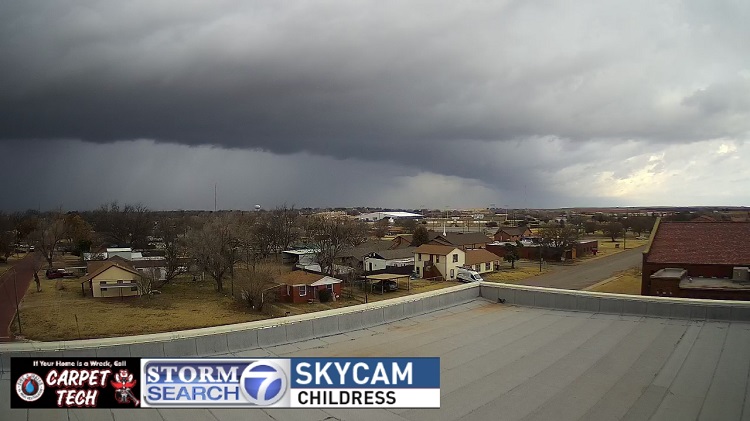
<point x="300" y="287"/>
<point x="698" y="260"/>
<point x="512" y="233"/>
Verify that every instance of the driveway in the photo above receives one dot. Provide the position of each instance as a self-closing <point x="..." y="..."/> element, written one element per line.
<point x="23" y="272"/>
<point x="586" y="274"/>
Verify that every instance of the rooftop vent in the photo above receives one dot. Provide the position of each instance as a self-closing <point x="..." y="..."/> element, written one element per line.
<point x="741" y="274"/>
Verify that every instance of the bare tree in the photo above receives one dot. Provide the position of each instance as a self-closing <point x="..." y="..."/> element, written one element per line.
<point x="147" y="281"/>
<point x="7" y="237"/>
<point x="558" y="239"/>
<point x="330" y="236"/>
<point x="214" y="248"/>
<point x="259" y="289"/>
<point x="171" y="231"/>
<point x="613" y="230"/>
<point x="50" y="231"/>
<point x="129" y="224"/>
<point x="381" y="228"/>
<point x="78" y="232"/>
<point x="284" y="228"/>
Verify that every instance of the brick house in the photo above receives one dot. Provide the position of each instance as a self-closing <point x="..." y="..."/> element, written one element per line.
<point x="512" y="233"/>
<point x="300" y="287"/>
<point x="462" y="240"/>
<point x="698" y="260"/>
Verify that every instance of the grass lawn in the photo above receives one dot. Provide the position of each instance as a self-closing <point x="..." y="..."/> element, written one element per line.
<point x="626" y="282"/>
<point x="51" y="314"/>
<point x="511" y="276"/>
<point x="607" y="247"/>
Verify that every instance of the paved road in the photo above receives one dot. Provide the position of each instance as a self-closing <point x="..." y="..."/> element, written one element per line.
<point x="586" y="274"/>
<point x="23" y="272"/>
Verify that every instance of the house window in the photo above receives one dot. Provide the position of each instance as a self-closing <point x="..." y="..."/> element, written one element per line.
<point x="288" y="290"/>
<point x="102" y="282"/>
<point x="103" y="289"/>
<point x="487" y="266"/>
<point x="134" y="288"/>
<point x="417" y="268"/>
<point x="437" y="258"/>
<point x="452" y="272"/>
<point x="455" y="257"/>
<point x="419" y="257"/>
<point x="302" y="290"/>
<point x="329" y="287"/>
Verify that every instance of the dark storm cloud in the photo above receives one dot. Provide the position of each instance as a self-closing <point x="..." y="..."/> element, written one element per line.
<point x="509" y="94"/>
<point x="333" y="78"/>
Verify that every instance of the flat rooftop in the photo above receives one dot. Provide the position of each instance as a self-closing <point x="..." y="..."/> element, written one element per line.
<point x="511" y="362"/>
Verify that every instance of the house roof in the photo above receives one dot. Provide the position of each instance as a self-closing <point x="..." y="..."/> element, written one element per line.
<point x="435" y="249"/>
<point x="480" y="256"/>
<point x="399" y="253"/>
<point x="299" y="277"/>
<point x="706" y="243"/>
<point x="463" y="238"/>
<point x="326" y="280"/>
<point x="108" y="265"/>
<point x="703" y="218"/>
<point x="366" y="248"/>
<point x="512" y="230"/>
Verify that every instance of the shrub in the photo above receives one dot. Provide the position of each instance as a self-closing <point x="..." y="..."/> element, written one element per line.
<point x="324" y="296"/>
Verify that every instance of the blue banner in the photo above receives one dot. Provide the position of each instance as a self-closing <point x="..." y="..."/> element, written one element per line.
<point x="365" y="373"/>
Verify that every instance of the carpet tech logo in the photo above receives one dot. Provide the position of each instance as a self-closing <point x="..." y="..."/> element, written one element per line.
<point x="30" y="387"/>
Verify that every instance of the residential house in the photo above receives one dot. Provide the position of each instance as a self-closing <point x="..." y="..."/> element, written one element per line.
<point x="299" y="286"/>
<point x="406" y="240"/>
<point x="155" y="268"/>
<point x="112" y="279"/>
<point x="436" y="260"/>
<point x="481" y="260"/>
<point x="398" y="261"/>
<point x="462" y="240"/>
<point x="512" y="233"/>
<point x="698" y="260"/>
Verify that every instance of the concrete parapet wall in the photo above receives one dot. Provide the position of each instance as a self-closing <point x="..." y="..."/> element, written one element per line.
<point x="597" y="302"/>
<point x="243" y="336"/>
<point x="222" y="340"/>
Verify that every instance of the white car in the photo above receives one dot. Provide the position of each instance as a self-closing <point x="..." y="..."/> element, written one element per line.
<point x="466" y="275"/>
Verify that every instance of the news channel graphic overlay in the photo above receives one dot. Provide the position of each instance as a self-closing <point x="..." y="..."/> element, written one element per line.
<point x="290" y="383"/>
<point x="75" y="382"/>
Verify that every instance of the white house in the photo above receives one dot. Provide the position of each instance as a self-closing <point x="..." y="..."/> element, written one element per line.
<point x="432" y="260"/>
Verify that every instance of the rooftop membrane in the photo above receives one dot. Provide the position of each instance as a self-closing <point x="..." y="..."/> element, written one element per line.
<point x="519" y="362"/>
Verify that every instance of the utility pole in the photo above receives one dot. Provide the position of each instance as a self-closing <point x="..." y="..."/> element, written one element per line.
<point x="18" y="310"/>
<point x="214" y="197"/>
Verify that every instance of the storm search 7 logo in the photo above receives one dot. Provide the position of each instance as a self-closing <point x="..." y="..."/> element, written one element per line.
<point x="290" y="383"/>
<point x="263" y="383"/>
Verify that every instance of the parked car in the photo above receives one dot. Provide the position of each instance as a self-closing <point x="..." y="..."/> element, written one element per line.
<point x="385" y="286"/>
<point x="465" y="275"/>
<point x="59" y="273"/>
<point x="31" y="249"/>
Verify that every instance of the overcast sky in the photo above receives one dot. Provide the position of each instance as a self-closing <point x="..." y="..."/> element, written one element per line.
<point x="374" y="103"/>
